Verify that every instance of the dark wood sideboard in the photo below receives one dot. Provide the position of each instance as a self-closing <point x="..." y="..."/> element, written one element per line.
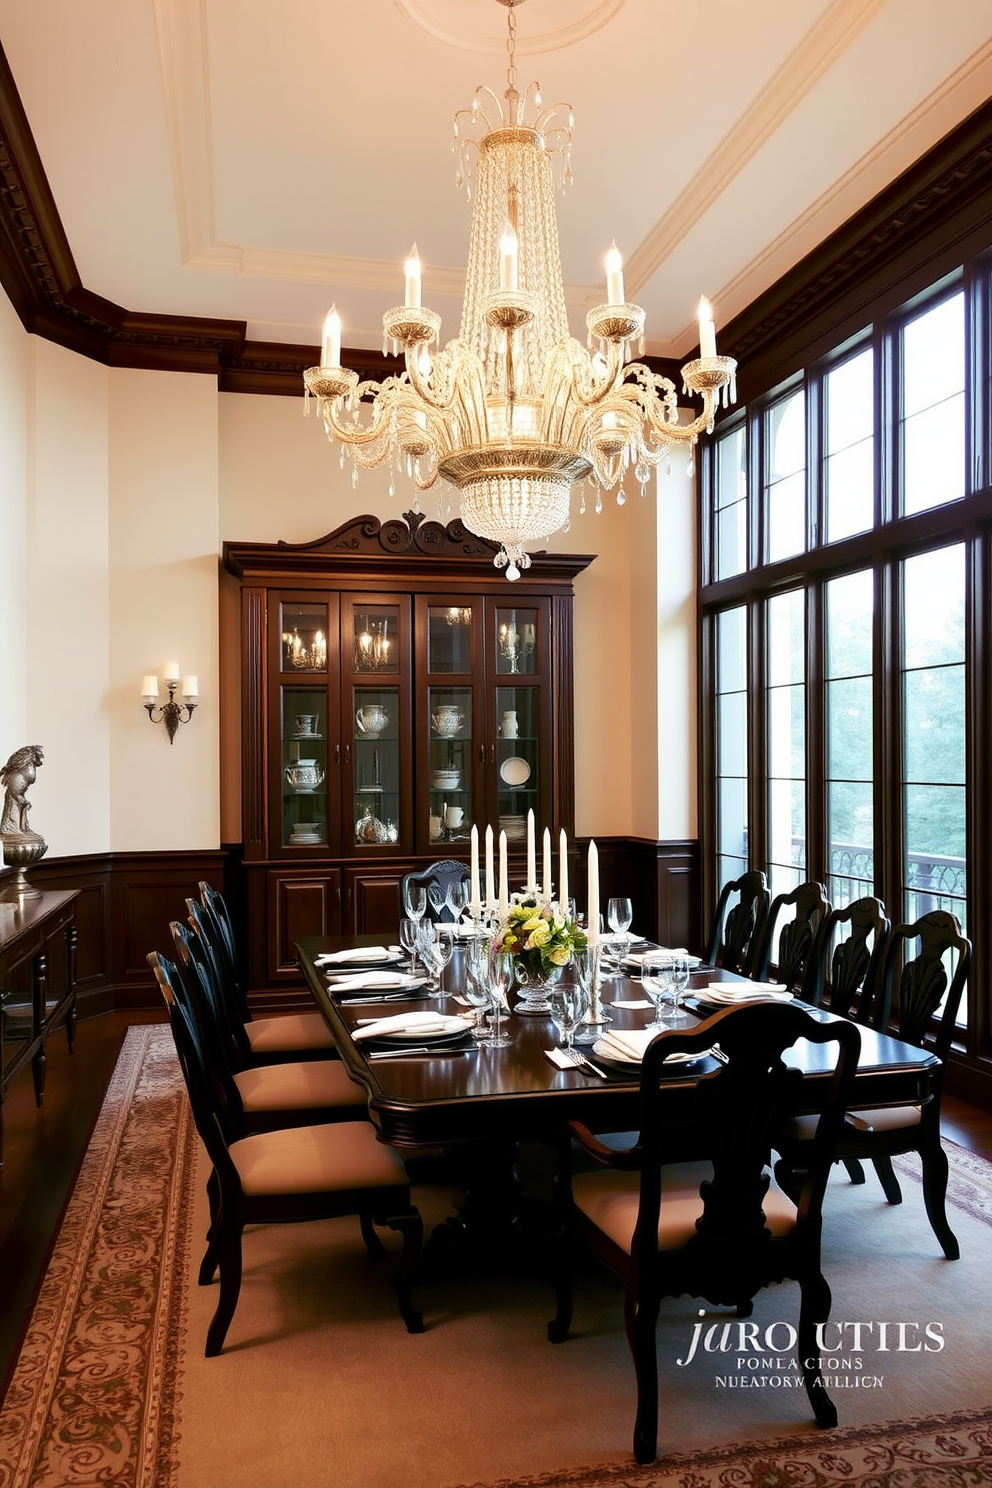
<point x="37" y="983"/>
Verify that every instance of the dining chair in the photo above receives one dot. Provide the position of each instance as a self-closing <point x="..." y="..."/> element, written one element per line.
<point x="929" y="996"/>
<point x="719" y="1227"/>
<point x="435" y="879"/>
<point x="797" y="936"/>
<point x="294" y="1093"/>
<point x="844" y="968"/>
<point x="285" y="1036"/>
<point x="736" y="926"/>
<point x="285" y="1177"/>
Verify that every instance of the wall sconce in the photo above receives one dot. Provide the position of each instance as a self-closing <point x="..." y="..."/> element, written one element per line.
<point x="170" y="713"/>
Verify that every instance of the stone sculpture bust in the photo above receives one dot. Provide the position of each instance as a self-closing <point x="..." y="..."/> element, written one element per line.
<point x="16" y="776"/>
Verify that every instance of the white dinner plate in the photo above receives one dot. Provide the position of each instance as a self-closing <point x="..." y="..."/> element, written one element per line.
<point x="515" y="770"/>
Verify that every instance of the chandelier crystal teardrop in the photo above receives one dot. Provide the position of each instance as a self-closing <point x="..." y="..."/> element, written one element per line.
<point x="515" y="410"/>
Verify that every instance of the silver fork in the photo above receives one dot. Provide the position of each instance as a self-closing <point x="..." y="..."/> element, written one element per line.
<point x="581" y="1062"/>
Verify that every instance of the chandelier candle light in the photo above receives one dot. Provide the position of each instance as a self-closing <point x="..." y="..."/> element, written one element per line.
<point x="514" y="411"/>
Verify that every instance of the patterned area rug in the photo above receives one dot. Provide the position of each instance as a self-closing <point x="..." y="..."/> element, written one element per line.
<point x="93" y="1396"/>
<point x="96" y="1395"/>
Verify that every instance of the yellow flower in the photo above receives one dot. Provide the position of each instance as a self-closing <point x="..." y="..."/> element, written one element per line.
<point x="538" y="935"/>
<point x="559" y="956"/>
<point x="535" y="923"/>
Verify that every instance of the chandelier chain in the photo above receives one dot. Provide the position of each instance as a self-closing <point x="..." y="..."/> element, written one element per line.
<point x="511" y="50"/>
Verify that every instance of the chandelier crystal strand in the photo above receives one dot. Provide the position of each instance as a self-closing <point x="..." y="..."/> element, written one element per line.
<point x="515" y="410"/>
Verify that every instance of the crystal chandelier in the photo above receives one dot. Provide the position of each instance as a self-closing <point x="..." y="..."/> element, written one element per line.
<point x="515" y="410"/>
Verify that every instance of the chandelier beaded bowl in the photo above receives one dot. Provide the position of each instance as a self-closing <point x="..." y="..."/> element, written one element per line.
<point x="515" y="411"/>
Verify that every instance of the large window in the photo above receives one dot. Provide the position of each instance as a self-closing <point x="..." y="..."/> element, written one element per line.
<point x="866" y="573"/>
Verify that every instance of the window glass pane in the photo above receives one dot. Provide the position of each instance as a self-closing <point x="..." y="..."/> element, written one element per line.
<point x="850" y="611"/>
<point x="933" y="694"/>
<point x="850" y="402"/>
<point x="933" y="356"/>
<point x="785" y="489"/>
<point x="849" y="614"/>
<point x="933" y="407"/>
<point x="849" y="479"/>
<point x="731" y="720"/>
<point x="731" y="505"/>
<point x="449" y="638"/>
<point x="785" y="712"/>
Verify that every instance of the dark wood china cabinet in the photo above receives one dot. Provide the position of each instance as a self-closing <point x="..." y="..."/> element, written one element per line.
<point x="396" y="688"/>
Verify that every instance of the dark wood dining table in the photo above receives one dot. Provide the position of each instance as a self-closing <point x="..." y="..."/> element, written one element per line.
<point x="515" y="1093"/>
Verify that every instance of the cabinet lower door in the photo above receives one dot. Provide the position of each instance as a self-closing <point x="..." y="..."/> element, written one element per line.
<point x="299" y="904"/>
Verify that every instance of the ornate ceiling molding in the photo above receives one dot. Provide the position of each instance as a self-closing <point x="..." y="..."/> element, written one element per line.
<point x="915" y="223"/>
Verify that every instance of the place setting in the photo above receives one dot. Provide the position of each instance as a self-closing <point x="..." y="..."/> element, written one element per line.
<point x="416" y="1033"/>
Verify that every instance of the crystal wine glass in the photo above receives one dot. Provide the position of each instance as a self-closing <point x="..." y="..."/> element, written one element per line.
<point x="409" y="931"/>
<point x="656" y="979"/>
<point x="444" y="949"/>
<point x="499" y="980"/>
<point x="414" y="900"/>
<point x="426" y="946"/>
<point x="436" y="896"/>
<point x="569" y="1001"/>
<point x="476" y="989"/>
<point x="679" y="982"/>
<point x="456" y="897"/>
<point x="619" y="914"/>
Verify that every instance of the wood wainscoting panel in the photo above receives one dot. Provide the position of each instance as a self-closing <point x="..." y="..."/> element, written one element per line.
<point x="660" y="878"/>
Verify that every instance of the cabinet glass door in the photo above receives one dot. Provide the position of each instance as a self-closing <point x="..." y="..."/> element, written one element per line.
<point x="304" y="766"/>
<point x="376" y="724"/>
<point x="377" y="775"/>
<point x="450" y="763"/>
<point x="450" y="730"/>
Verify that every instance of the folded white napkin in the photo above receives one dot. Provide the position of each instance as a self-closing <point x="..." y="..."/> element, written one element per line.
<point x="628" y="1043"/>
<point x="558" y="1059"/>
<point x="343" y="982"/>
<point x="753" y="992"/>
<point x="359" y="953"/>
<point x="417" y="1023"/>
<point x="638" y="956"/>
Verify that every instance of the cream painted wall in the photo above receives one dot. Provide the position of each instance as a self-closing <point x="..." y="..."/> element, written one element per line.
<point x="163" y="504"/>
<point x="13" y="535"/>
<point x="67" y="597"/>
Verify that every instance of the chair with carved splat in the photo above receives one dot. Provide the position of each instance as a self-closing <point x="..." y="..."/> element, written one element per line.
<point x="931" y="983"/>
<point x="797" y="936"/>
<point x="737" y="925"/>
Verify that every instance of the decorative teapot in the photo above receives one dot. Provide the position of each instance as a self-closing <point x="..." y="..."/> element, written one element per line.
<point x="447" y="721"/>
<point x="304" y="775"/>
<point x="371" y="720"/>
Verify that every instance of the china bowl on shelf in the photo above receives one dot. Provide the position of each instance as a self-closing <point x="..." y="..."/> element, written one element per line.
<point x="371" y="720"/>
<point x="445" y="779"/>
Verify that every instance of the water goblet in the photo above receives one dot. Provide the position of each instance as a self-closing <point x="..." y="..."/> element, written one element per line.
<point x="409" y="930"/>
<point x="444" y="949"/>
<point x="436" y="897"/>
<point x="679" y="982"/>
<point x="569" y="1001"/>
<point x="619" y="914"/>
<point x="476" y="989"/>
<point x="499" y="980"/>
<point x="426" y="946"/>
<point x="456" y="898"/>
<point x="414" y="900"/>
<point x="656" y="979"/>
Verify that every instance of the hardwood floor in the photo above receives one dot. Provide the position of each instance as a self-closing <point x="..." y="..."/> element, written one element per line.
<point x="44" y="1147"/>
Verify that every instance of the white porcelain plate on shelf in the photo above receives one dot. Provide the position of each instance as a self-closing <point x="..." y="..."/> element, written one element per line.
<point x="515" y="770"/>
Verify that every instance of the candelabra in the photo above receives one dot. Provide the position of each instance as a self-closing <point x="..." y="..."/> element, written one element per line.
<point x="305" y="656"/>
<point x="171" y="713"/>
<point x="372" y="647"/>
<point x="515" y="646"/>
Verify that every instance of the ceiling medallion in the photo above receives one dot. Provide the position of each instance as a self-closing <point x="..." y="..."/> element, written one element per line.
<point x="514" y="411"/>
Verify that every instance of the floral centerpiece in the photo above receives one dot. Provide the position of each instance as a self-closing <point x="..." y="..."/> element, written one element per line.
<point x="541" y="939"/>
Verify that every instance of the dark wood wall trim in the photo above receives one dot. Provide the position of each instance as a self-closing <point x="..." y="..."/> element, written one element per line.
<point x="660" y="878"/>
<point x="125" y="903"/>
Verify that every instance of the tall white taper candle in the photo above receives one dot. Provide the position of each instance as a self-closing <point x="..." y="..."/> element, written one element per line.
<point x="531" y="884"/>
<point x="490" y="871"/>
<point x="474" y="899"/>
<point x="503" y="907"/>
<point x="563" y="871"/>
<point x="546" y="866"/>
<point x="592" y="896"/>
